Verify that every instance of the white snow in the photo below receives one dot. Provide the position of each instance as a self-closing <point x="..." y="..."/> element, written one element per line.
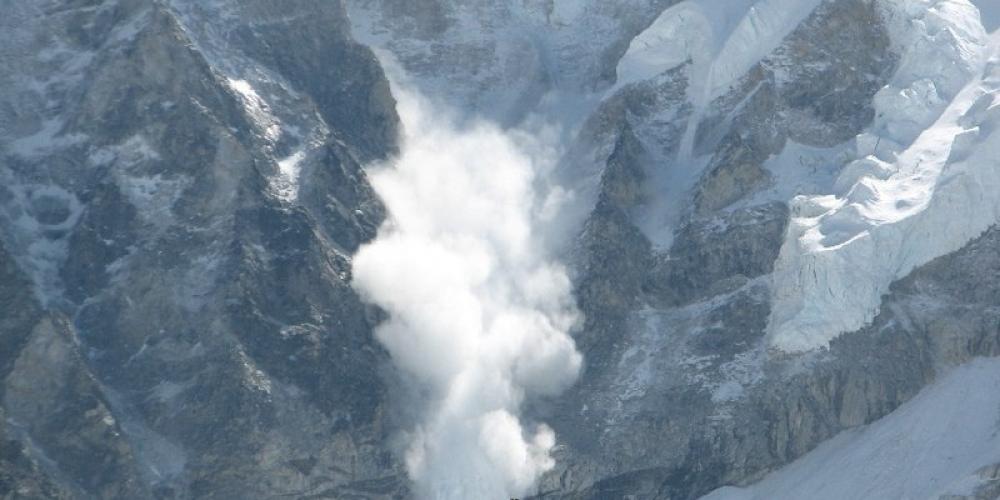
<point x="802" y="170"/>
<point x="931" y="446"/>
<point x="286" y="184"/>
<point x="680" y="33"/>
<point x="723" y="39"/>
<point x="285" y="120"/>
<point x="257" y="109"/>
<point x="889" y="213"/>
<point x="504" y="60"/>
<point x="660" y="216"/>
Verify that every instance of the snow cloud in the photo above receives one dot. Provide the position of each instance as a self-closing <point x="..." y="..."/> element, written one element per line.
<point x="479" y="313"/>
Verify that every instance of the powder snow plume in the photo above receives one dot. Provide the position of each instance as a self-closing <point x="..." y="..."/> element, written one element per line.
<point x="479" y="315"/>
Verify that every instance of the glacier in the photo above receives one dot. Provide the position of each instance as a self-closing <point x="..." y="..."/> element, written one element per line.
<point x="918" y="190"/>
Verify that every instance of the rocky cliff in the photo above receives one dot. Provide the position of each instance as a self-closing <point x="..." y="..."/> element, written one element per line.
<point x="182" y="191"/>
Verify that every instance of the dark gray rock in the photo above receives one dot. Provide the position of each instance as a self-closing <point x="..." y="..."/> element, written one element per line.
<point x="718" y="254"/>
<point x="217" y="349"/>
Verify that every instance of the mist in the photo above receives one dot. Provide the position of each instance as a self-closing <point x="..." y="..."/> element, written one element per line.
<point x="480" y="314"/>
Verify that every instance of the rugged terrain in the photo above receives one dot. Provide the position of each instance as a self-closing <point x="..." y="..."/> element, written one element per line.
<point x="781" y="238"/>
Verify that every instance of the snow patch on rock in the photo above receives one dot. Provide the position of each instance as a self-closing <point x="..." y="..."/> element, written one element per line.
<point x="681" y="33"/>
<point x="257" y="109"/>
<point x="287" y="182"/>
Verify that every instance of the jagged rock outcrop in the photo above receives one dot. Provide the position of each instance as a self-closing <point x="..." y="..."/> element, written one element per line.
<point x="197" y="175"/>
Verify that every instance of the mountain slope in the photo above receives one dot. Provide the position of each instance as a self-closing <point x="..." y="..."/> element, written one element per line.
<point x="777" y="220"/>
<point x="942" y="443"/>
<point x="150" y="195"/>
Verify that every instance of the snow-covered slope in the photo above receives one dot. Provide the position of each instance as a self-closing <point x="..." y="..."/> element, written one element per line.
<point x="723" y="40"/>
<point x="924" y="185"/>
<point x="933" y="445"/>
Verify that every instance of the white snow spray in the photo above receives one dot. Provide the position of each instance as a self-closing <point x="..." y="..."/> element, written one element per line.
<point x="479" y="314"/>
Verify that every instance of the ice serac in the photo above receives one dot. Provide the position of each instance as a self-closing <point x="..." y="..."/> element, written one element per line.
<point x="924" y="185"/>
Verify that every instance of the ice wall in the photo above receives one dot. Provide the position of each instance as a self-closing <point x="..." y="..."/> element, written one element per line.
<point x="926" y="181"/>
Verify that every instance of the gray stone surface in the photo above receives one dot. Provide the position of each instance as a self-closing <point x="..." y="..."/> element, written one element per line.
<point x="216" y="348"/>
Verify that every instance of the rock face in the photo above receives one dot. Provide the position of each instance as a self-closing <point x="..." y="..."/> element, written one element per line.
<point x="182" y="190"/>
<point x="181" y="195"/>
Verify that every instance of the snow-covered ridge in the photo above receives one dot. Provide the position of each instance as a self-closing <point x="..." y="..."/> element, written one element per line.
<point x="723" y="41"/>
<point x="925" y="184"/>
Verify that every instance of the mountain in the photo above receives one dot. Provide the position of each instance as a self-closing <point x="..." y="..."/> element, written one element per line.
<point x="579" y="249"/>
